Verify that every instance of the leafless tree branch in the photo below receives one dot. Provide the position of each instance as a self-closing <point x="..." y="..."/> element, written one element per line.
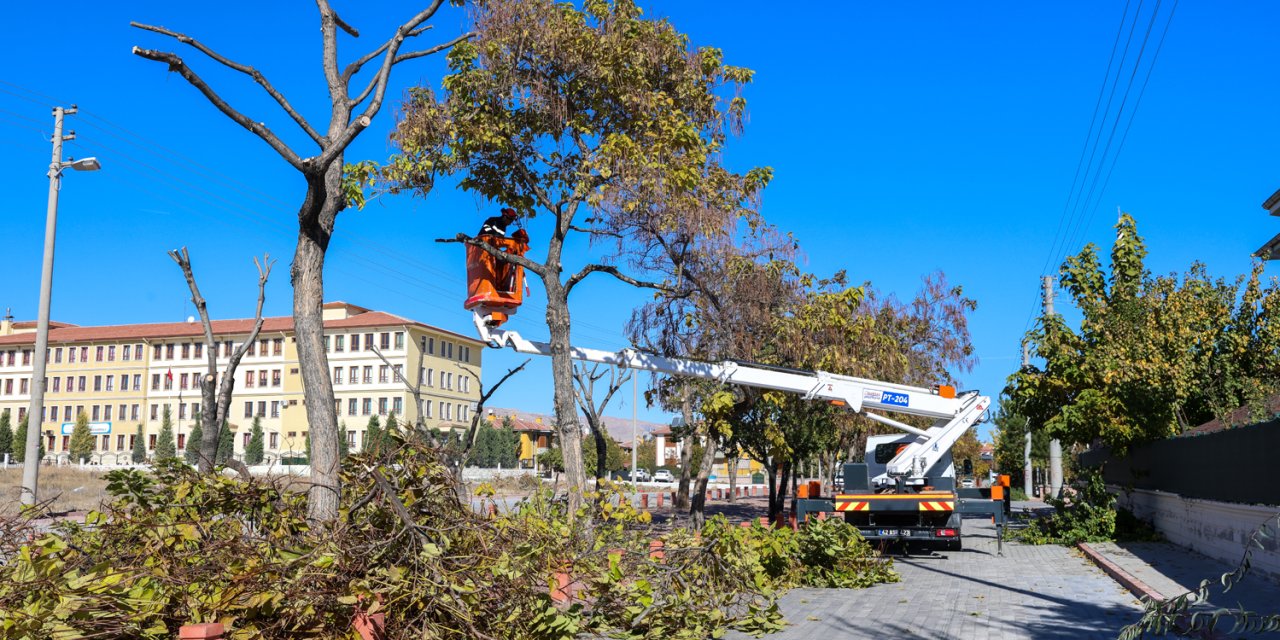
<point x="355" y="67"/>
<point x="257" y="128"/>
<point x="257" y="76"/>
<point x="474" y="429"/>
<point x="217" y="399"/>
<point x="495" y="252"/>
<point x="613" y="271"/>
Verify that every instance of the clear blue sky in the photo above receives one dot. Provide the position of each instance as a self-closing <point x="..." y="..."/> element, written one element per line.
<point x="906" y="137"/>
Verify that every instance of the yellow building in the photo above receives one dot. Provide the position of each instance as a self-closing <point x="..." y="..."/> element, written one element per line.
<point x="124" y="376"/>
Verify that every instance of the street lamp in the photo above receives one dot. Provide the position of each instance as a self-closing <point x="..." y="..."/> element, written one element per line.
<point x="35" y="413"/>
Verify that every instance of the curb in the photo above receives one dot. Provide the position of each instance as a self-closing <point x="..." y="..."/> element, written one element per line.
<point x="1127" y="580"/>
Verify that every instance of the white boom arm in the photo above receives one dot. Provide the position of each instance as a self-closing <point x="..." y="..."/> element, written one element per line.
<point x="953" y="416"/>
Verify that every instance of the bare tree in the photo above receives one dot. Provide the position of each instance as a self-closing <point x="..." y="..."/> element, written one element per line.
<point x="215" y="397"/>
<point x="326" y="196"/>
<point x="470" y="440"/>
<point x="586" y="381"/>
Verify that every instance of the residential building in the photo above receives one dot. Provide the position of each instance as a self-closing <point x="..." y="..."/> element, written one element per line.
<point x="126" y="375"/>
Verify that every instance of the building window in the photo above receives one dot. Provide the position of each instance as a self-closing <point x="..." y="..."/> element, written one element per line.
<point x="248" y="379"/>
<point x="427" y="408"/>
<point x="155" y="382"/>
<point x="8" y="387"/>
<point x="351" y="407"/>
<point x="384" y="341"/>
<point x="182" y="441"/>
<point x="133" y="411"/>
<point x="199" y="350"/>
<point x="157" y="352"/>
<point x="351" y="439"/>
<point x="168" y="352"/>
<point x="226" y="348"/>
<point x="462" y="412"/>
<point x="124" y="412"/>
<point x="368" y="375"/>
<point x="397" y="405"/>
<point x="124" y="382"/>
<point x="120" y="442"/>
<point x="71" y="356"/>
<point x="274" y="440"/>
<point x="398" y="370"/>
<point x="368" y="342"/>
<point x="253" y="349"/>
<point x="155" y="411"/>
<point x="195" y="409"/>
<point x="53" y="413"/>
<point x="182" y="411"/>
<point x="339" y="343"/>
<point x="106" y="414"/>
<point x="125" y="351"/>
<point x="95" y="413"/>
<point x="275" y="377"/>
<point x="277" y="346"/>
<point x="431" y="374"/>
<point x="275" y="408"/>
<point x="97" y="383"/>
<point x="137" y="382"/>
<point x="262" y="378"/>
<point x="168" y="380"/>
<point x="353" y="375"/>
<point x="151" y="442"/>
<point x="57" y="386"/>
<point x="383" y="372"/>
<point x="446" y="411"/>
<point x="263" y="344"/>
<point x="248" y="409"/>
<point x="366" y="406"/>
<point x="262" y="408"/>
<point x="57" y="355"/>
<point x="399" y="340"/>
<point x="337" y="375"/>
<point x="182" y="382"/>
<point x="111" y="383"/>
<point x="382" y="406"/>
<point x="24" y="385"/>
<point x="422" y="344"/>
<point x="186" y="351"/>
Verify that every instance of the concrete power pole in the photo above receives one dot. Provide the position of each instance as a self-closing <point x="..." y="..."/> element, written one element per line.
<point x="1026" y="444"/>
<point x="35" y="412"/>
<point x="1055" y="445"/>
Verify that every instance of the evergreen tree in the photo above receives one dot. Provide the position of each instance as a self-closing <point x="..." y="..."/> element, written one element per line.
<point x="344" y="447"/>
<point x="372" y="435"/>
<point x="165" y="447"/>
<point x="6" y="435"/>
<point x="81" y="440"/>
<point x="139" y="447"/>
<point x="253" y="451"/>
<point x="192" y="454"/>
<point x="19" y="449"/>
<point x="226" y="445"/>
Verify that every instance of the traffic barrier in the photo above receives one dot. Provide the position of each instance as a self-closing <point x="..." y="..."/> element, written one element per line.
<point x="655" y="550"/>
<point x="644" y="501"/>
<point x="563" y="591"/>
<point x="660" y="494"/>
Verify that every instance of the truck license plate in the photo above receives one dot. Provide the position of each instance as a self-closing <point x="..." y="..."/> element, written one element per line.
<point x="887" y="532"/>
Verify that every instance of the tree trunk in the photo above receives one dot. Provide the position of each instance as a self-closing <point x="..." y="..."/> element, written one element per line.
<point x="733" y="473"/>
<point x="315" y="227"/>
<point x="686" y="452"/>
<point x="562" y="379"/>
<point x="698" y="502"/>
<point x="602" y="450"/>
<point x="208" y="445"/>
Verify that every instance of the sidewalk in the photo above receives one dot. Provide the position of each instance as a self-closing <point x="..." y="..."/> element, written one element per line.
<point x="1167" y="570"/>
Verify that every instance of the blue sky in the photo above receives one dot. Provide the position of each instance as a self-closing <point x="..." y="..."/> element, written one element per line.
<point x="906" y="138"/>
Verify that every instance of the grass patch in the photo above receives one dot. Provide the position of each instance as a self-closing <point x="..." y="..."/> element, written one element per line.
<point x="66" y="488"/>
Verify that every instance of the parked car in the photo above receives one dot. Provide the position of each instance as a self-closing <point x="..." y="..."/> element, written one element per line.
<point x="967" y="483"/>
<point x="642" y="475"/>
<point x="662" y="475"/>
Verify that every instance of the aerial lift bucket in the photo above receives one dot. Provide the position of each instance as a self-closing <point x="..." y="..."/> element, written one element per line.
<point x="495" y="288"/>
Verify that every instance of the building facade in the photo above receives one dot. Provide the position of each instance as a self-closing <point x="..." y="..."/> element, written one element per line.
<point x="125" y="376"/>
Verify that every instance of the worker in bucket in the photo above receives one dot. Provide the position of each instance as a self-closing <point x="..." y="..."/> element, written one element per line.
<point x="497" y="225"/>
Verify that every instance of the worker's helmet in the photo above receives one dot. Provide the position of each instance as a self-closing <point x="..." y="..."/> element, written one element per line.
<point x="509" y="213"/>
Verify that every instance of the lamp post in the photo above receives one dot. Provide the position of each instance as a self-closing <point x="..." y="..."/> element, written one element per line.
<point x="35" y="413"/>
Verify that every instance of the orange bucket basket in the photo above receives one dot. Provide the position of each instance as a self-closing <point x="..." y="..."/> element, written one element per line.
<point x="495" y="288"/>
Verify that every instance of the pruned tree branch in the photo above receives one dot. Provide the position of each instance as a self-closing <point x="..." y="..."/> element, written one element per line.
<point x="479" y="413"/>
<point x="257" y="128"/>
<point x="217" y="400"/>
<point x="495" y="252"/>
<point x="355" y="67"/>
<point x="613" y="271"/>
<point x="257" y="76"/>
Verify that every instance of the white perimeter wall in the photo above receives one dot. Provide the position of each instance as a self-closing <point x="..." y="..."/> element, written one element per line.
<point x="1216" y="529"/>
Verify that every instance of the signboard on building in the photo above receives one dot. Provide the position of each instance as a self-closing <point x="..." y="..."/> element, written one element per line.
<point x="95" y="428"/>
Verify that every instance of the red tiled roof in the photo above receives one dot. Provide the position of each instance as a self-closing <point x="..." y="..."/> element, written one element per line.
<point x="72" y="333"/>
<point x="518" y="423"/>
<point x="33" y="324"/>
<point x="1239" y="418"/>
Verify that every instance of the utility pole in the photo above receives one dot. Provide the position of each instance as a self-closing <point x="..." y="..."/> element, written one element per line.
<point x="1055" y="445"/>
<point x="35" y="412"/>
<point x="1026" y="444"/>
<point x="635" y="444"/>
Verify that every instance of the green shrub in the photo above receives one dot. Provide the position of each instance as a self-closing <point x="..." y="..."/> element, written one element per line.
<point x="1090" y="516"/>
<point x="173" y="547"/>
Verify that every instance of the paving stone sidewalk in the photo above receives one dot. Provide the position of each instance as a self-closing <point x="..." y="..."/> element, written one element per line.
<point x="1044" y="592"/>
<point x="1173" y="570"/>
